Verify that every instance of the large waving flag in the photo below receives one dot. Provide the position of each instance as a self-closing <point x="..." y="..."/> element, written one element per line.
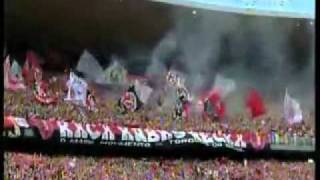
<point x="218" y="106"/>
<point x="212" y="104"/>
<point x="292" y="110"/>
<point x="224" y="85"/>
<point x="143" y="91"/>
<point x="116" y="73"/>
<point x="255" y="104"/>
<point x="31" y="67"/>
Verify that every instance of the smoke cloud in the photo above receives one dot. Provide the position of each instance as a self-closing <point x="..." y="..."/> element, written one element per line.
<point x="254" y="51"/>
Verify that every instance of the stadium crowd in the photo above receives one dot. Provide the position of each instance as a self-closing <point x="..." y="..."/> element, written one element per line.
<point x="37" y="166"/>
<point x="19" y="104"/>
<point x="44" y="97"/>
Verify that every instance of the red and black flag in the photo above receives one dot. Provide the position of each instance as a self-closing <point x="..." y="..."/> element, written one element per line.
<point x="42" y="94"/>
<point x="91" y="102"/>
<point x="213" y="105"/>
<point x="129" y="101"/>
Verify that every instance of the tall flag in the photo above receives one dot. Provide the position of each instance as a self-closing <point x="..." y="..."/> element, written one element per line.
<point x="41" y="89"/>
<point x="183" y="93"/>
<point x="89" y="65"/>
<point x="143" y="91"/>
<point x="6" y="68"/>
<point x="42" y="94"/>
<point x="16" y="69"/>
<point x="255" y="104"/>
<point x="178" y="110"/>
<point x="129" y="101"/>
<point x="11" y="82"/>
<point x="91" y="102"/>
<point x="77" y="89"/>
<point x="33" y="59"/>
<point x="224" y="85"/>
<point x="184" y="102"/>
<point x="212" y="104"/>
<point x="217" y="104"/>
<point x="30" y="67"/>
<point x="26" y="72"/>
<point x="116" y="73"/>
<point x="292" y="110"/>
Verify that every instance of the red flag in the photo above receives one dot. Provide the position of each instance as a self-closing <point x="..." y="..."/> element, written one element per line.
<point x="33" y="59"/>
<point x="26" y="70"/>
<point x="218" y="104"/>
<point x="255" y="104"/>
<point x="30" y="66"/>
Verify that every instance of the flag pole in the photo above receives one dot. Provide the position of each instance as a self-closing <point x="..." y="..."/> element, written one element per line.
<point x="285" y="104"/>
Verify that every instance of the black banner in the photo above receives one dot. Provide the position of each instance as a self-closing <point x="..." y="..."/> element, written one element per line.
<point x="60" y="136"/>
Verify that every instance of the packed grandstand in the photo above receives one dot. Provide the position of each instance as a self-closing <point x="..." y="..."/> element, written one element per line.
<point x="41" y="105"/>
<point x="36" y="99"/>
<point x="198" y="94"/>
<point x="26" y="166"/>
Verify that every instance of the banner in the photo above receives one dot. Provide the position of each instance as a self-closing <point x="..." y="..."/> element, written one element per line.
<point x="113" y="135"/>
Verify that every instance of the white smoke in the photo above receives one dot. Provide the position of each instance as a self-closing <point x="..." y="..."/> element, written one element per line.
<point x="257" y="50"/>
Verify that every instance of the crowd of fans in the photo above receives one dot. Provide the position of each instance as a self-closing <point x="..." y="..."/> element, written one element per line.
<point x="22" y="104"/>
<point x="37" y="166"/>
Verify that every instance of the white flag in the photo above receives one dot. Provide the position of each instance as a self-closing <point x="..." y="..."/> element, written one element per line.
<point x="292" y="110"/>
<point x="16" y="69"/>
<point x="143" y="91"/>
<point x="224" y="85"/>
<point x="175" y="79"/>
<point x="77" y="89"/>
